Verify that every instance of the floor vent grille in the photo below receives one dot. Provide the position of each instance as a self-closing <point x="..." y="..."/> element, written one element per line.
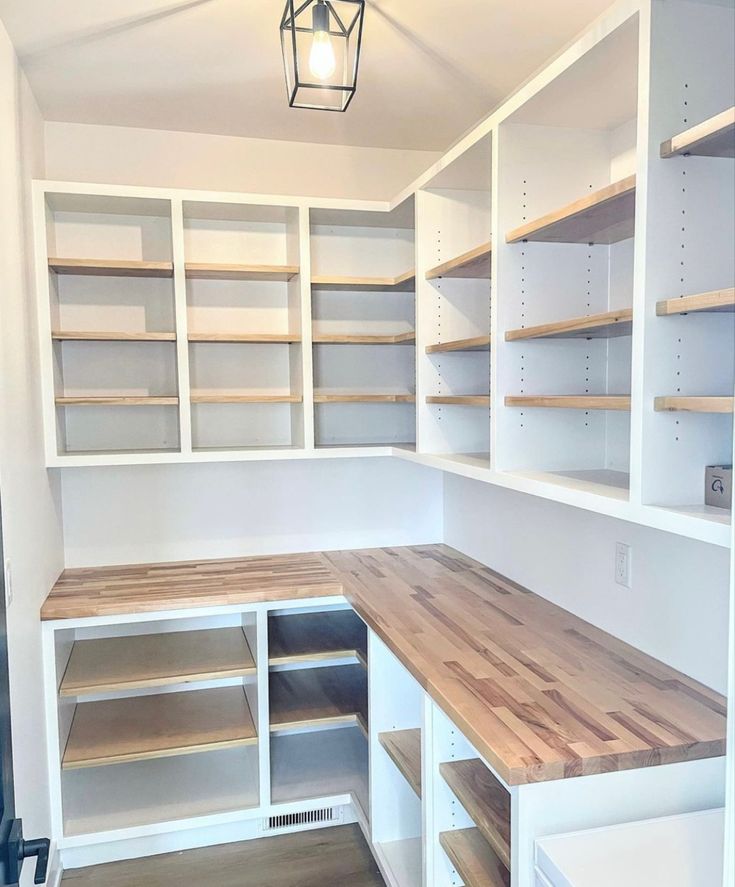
<point x="305" y="818"/>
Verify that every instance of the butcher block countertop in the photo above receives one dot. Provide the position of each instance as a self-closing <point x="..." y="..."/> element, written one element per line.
<point x="540" y="693"/>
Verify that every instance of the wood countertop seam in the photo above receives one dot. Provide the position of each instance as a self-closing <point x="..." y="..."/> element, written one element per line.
<point x="540" y="693"/>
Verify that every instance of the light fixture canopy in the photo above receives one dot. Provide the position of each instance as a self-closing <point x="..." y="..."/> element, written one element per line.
<point x="321" y="42"/>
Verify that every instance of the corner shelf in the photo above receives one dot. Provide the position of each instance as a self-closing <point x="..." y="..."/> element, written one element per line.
<point x="316" y="637"/>
<point x="474" y="264"/>
<point x="462" y="400"/>
<point x="364" y="398"/>
<point x="140" y="728"/>
<point x="713" y="301"/>
<point x="485" y="800"/>
<point x="402" y="283"/>
<point x="246" y="398"/>
<point x="477" y="343"/>
<point x="605" y="216"/>
<point x="714" y="137"/>
<point x="474" y="859"/>
<point x="608" y="325"/>
<point x="693" y="404"/>
<point x="111" y="268"/>
<point x="248" y="338"/>
<point x="318" y="697"/>
<point x="403" y="747"/>
<point x="104" y="665"/>
<point x="571" y="401"/>
<point x="218" y="271"/>
<point x="408" y="338"/>
<point x="117" y="400"/>
<point x="107" y="336"/>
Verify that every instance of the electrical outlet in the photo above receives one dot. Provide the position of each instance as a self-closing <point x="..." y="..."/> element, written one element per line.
<point x="8" y="585"/>
<point x="623" y="564"/>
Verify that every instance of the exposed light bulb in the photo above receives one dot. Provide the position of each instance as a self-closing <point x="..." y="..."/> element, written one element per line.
<point x="322" y="62"/>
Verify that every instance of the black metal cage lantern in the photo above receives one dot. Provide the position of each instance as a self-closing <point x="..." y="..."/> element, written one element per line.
<point x="321" y="42"/>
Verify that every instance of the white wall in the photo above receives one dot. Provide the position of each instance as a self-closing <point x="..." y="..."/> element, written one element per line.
<point x="122" y="155"/>
<point x="676" y="609"/>
<point x="31" y="525"/>
<point x="182" y="512"/>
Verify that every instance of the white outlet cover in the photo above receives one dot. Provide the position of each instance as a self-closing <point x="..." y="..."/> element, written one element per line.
<point x="623" y="564"/>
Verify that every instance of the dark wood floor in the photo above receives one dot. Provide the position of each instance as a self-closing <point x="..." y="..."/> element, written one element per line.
<point x="332" y="857"/>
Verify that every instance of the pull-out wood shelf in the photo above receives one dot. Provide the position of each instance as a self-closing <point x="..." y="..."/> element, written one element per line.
<point x="606" y="216"/>
<point x="485" y="800"/>
<point x="596" y="326"/>
<point x="311" y="637"/>
<point x="116" y="400"/>
<point x="571" y="401"/>
<point x="107" y="336"/>
<point x="474" y="264"/>
<point x="461" y="400"/>
<point x="105" y="665"/>
<point x="716" y="300"/>
<point x="694" y="404"/>
<point x="318" y="697"/>
<point x="477" y="343"/>
<point x="404" y="749"/>
<point x="139" y="728"/>
<point x="473" y="858"/>
<point x="246" y="398"/>
<point x="218" y="271"/>
<point x="364" y="398"/>
<point x="408" y="338"/>
<point x="711" y="138"/>
<point x="111" y="268"/>
<point x="402" y="283"/>
<point x="255" y="338"/>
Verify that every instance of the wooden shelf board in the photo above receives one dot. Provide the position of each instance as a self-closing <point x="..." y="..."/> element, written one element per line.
<point x="116" y="400"/>
<point x="314" y="697"/>
<point x="408" y="338"/>
<point x="474" y="859"/>
<point x="477" y="343"/>
<point x="364" y="398"/>
<point x="466" y="400"/>
<point x="474" y="264"/>
<point x="715" y="300"/>
<point x="106" y="665"/>
<point x="486" y="801"/>
<point x="694" y="404"/>
<point x="404" y="749"/>
<point x="402" y="283"/>
<point x="111" y="267"/>
<point x="255" y="338"/>
<point x="571" y="401"/>
<point x="246" y="398"/>
<point x="313" y="637"/>
<point x="107" y="336"/>
<point x="220" y="271"/>
<point x="605" y="216"/>
<point x="714" y="137"/>
<point x="139" y="728"/>
<point x="609" y="325"/>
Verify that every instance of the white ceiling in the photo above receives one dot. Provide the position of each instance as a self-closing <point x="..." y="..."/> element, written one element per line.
<point x="430" y="68"/>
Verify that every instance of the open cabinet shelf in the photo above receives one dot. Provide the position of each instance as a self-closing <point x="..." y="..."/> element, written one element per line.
<point x="595" y="326"/>
<point x="220" y="271"/>
<point x="245" y="398"/>
<point x="104" y="665"/>
<point x="315" y="637"/>
<point x="474" y="264"/>
<point x="404" y="749"/>
<point x="714" y="137"/>
<point x="139" y="728"/>
<point x="571" y="401"/>
<point x="476" y="343"/>
<point x="401" y="283"/>
<point x="460" y="400"/>
<point x="247" y="338"/>
<point x="474" y="859"/>
<point x="109" y="336"/>
<point x="360" y="397"/>
<point x="116" y="400"/>
<point x="111" y="268"/>
<point x="318" y="697"/>
<point x="408" y="338"/>
<point x="714" y="301"/>
<point x="605" y="216"/>
<point x="693" y="404"/>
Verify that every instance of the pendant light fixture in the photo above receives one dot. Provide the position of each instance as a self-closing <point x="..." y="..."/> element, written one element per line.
<point x="321" y="41"/>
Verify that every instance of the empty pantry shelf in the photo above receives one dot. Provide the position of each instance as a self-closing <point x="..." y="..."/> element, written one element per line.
<point x="110" y="336"/>
<point x="477" y="343"/>
<point x="318" y="697"/>
<point x="364" y="397"/>
<point x="474" y="264"/>
<point x="116" y="400"/>
<point x="474" y="859"/>
<point x="402" y="283"/>
<point x="220" y="271"/>
<point x="714" y="137"/>
<point x="111" y="268"/>
<point x="247" y="338"/>
<point x="103" y="665"/>
<point x="715" y="300"/>
<point x="139" y="728"/>
<point x="407" y="338"/>
<point x="245" y="398"/>
<point x="311" y="637"/>
<point x="403" y="747"/>
<point x="462" y="400"/>
<point x="595" y="326"/>
<point x="694" y="404"/>
<point x="571" y="401"/>
<point x="605" y="216"/>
